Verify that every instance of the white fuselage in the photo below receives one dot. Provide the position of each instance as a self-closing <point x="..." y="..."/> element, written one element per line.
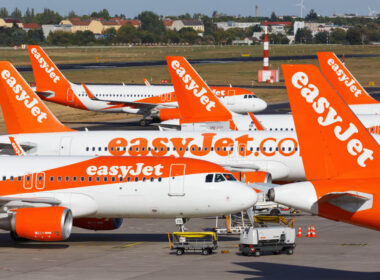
<point x="160" y="95"/>
<point x="172" y="196"/>
<point x="277" y="122"/>
<point x="273" y="152"/>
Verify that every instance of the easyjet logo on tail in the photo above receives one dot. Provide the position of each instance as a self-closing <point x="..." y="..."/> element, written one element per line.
<point x="22" y="96"/>
<point x="344" y="78"/>
<point x="123" y="171"/>
<point x="329" y="117"/>
<point x="191" y="85"/>
<point x="43" y="64"/>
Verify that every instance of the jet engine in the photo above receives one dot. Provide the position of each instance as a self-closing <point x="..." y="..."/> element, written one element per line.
<point x="40" y="223"/>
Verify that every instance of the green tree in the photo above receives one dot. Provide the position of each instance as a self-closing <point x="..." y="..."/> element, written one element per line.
<point x="304" y="36"/>
<point x="82" y="38"/>
<point x="321" y="37"/>
<point x="72" y="14"/>
<point x="273" y="17"/>
<point x="338" y="36"/>
<point x="188" y="35"/>
<point x="28" y="17"/>
<point x="35" y="36"/>
<point x="353" y="36"/>
<point x="127" y="34"/>
<point x="16" y="13"/>
<point x="173" y="37"/>
<point x="48" y="17"/>
<point x="4" y="13"/>
<point x="311" y="16"/>
<point x="101" y="14"/>
<point x="59" y="38"/>
<point x="150" y="22"/>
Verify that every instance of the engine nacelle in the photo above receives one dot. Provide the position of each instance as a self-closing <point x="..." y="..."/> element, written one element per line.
<point x="253" y="177"/>
<point x="98" y="223"/>
<point x="41" y="224"/>
<point x="169" y="114"/>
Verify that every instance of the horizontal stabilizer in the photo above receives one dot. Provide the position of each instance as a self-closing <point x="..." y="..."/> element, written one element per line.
<point x="350" y="201"/>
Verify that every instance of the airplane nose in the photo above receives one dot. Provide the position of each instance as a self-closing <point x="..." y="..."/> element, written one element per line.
<point x="261" y="105"/>
<point x="247" y="197"/>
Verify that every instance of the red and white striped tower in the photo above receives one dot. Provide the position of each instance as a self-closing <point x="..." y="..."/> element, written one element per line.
<point x="266" y="49"/>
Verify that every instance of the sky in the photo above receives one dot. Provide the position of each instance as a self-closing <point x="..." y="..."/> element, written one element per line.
<point x="132" y="8"/>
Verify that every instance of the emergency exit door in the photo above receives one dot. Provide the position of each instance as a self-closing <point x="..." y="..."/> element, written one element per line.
<point x="231" y="97"/>
<point x="177" y="180"/>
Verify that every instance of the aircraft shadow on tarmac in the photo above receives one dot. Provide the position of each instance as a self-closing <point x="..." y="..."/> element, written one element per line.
<point x="7" y="242"/>
<point x="257" y="270"/>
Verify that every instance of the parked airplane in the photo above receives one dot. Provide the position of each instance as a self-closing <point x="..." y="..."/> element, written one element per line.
<point x="214" y="119"/>
<point x="340" y="157"/>
<point x="52" y="85"/>
<point x="345" y="83"/>
<point x="40" y="196"/>
<point x="26" y="117"/>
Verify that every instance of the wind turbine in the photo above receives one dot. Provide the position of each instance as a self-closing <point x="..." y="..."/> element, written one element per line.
<point x="302" y="6"/>
<point x="372" y="13"/>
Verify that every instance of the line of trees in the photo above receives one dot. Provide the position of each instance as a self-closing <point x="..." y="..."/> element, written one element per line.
<point x="152" y="30"/>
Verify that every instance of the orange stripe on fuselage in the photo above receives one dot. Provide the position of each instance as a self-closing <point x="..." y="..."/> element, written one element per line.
<point x="105" y="167"/>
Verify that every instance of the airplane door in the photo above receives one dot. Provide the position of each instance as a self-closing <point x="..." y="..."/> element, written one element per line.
<point x="231" y="97"/>
<point x="70" y="95"/>
<point x="177" y="180"/>
<point x="65" y="146"/>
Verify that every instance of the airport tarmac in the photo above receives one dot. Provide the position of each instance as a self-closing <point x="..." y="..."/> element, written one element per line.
<point x="140" y="250"/>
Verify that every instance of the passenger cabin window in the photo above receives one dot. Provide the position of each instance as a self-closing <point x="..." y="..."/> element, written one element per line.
<point x="209" y="178"/>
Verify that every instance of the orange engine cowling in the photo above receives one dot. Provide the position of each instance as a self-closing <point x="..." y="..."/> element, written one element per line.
<point x="98" y="223"/>
<point x="254" y="177"/>
<point x="169" y="114"/>
<point x="42" y="223"/>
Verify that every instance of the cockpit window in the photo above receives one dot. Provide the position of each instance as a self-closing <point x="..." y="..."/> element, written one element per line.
<point x="219" y="178"/>
<point x="229" y="177"/>
<point x="209" y="178"/>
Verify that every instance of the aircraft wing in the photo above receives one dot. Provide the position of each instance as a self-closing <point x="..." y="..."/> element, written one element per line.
<point x="137" y="105"/>
<point x="350" y="201"/>
<point x="46" y="200"/>
<point x="7" y="148"/>
<point x="45" y="94"/>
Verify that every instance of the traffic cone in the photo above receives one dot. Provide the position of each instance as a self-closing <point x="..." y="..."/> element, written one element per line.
<point x="299" y="232"/>
<point x="308" y="231"/>
<point x="313" y="233"/>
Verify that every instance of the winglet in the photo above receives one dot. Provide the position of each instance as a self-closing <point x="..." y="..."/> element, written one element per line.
<point x="23" y="110"/>
<point x="342" y="80"/>
<point x="146" y="82"/>
<point x="256" y="122"/>
<point x="196" y="101"/>
<point x="333" y="142"/>
<point x="16" y="147"/>
<point x="89" y="93"/>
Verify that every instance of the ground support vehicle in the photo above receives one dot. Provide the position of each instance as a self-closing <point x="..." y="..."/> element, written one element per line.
<point x="276" y="239"/>
<point x="205" y="242"/>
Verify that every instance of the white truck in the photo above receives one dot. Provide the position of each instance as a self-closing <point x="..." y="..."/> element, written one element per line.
<point x="276" y="239"/>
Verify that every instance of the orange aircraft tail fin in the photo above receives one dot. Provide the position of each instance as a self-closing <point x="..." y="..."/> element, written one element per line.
<point x="342" y="80"/>
<point x="333" y="142"/>
<point x="196" y="101"/>
<point x="23" y="110"/>
<point x="46" y="74"/>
